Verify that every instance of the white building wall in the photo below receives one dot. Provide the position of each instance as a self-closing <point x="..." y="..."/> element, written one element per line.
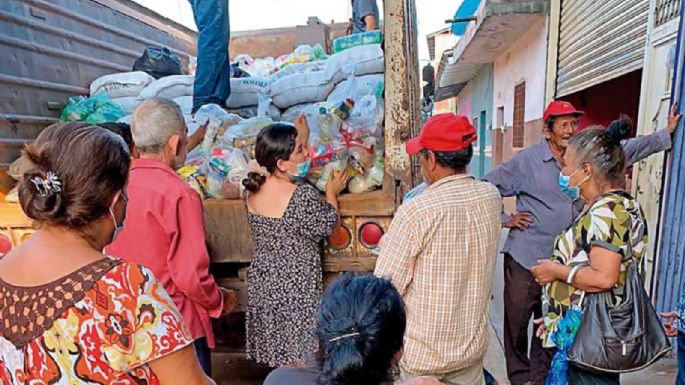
<point x="525" y="60"/>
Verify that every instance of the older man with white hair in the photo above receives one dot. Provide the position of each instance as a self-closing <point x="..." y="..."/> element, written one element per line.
<point x="164" y="226"/>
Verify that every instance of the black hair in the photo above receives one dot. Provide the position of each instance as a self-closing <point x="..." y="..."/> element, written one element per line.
<point x="360" y="330"/>
<point x="275" y="142"/>
<point x="87" y="184"/>
<point x="121" y="129"/>
<point x="601" y="148"/>
<point x="455" y="160"/>
<point x="549" y="123"/>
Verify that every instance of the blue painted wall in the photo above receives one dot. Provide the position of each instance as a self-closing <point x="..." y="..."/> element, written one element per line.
<point x="481" y="110"/>
<point x="671" y="273"/>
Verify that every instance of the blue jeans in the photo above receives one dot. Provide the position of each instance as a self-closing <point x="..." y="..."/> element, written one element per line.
<point x="212" y="77"/>
<point x="204" y="355"/>
<point x="680" y="379"/>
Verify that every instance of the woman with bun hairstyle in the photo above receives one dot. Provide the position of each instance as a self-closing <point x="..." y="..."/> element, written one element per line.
<point x="360" y="334"/>
<point x="288" y="219"/>
<point x="594" y="253"/>
<point x="68" y="313"/>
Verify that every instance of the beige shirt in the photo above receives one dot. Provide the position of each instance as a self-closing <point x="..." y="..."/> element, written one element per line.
<point x="440" y="253"/>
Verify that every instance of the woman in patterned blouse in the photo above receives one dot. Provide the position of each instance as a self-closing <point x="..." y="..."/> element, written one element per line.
<point x="69" y="313"/>
<point x="593" y="254"/>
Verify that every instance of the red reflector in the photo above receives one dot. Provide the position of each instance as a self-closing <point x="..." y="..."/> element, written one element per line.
<point x="340" y="239"/>
<point x="370" y="235"/>
<point x="5" y="244"/>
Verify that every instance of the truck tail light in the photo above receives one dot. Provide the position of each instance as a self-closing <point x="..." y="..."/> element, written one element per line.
<point x="340" y="239"/>
<point x="5" y="244"/>
<point x="370" y="234"/>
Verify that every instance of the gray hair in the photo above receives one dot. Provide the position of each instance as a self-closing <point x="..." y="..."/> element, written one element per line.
<point x="602" y="149"/>
<point x="154" y="122"/>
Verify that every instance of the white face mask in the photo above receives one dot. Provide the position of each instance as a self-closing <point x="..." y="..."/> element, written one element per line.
<point x="118" y="227"/>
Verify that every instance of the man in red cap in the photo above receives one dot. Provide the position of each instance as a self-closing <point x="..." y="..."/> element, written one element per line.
<point x="543" y="211"/>
<point x="440" y="253"/>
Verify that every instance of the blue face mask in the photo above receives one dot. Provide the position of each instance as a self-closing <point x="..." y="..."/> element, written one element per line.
<point x="572" y="192"/>
<point x="302" y="171"/>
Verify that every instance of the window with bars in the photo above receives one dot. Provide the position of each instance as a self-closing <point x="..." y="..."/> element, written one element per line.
<point x="519" y="114"/>
<point x="665" y="11"/>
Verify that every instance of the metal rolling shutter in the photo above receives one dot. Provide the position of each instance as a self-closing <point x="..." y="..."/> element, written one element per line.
<point x="599" y="41"/>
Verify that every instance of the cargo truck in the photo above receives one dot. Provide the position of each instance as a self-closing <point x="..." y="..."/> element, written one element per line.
<point x="54" y="49"/>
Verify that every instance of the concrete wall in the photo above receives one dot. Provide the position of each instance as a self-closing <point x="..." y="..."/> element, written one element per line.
<point x="526" y="60"/>
<point x="281" y="41"/>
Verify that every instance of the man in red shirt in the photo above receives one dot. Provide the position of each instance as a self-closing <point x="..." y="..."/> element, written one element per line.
<point x="164" y="226"/>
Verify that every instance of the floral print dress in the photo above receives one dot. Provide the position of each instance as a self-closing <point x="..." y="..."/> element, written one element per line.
<point x="285" y="279"/>
<point x="615" y="222"/>
<point x="101" y="324"/>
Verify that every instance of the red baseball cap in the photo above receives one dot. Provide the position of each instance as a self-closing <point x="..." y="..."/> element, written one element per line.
<point x="560" y="108"/>
<point x="443" y="133"/>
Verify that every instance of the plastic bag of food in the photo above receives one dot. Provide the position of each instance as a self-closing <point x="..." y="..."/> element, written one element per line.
<point x="244" y="134"/>
<point x="159" y="62"/>
<point x="346" y="42"/>
<point x="217" y="120"/>
<point x="293" y="112"/>
<point x="368" y="181"/>
<point x="192" y="175"/>
<point x="324" y="122"/>
<point x="366" y="118"/>
<point x="358" y="87"/>
<point x="226" y="168"/>
<point x="121" y="85"/>
<point x="320" y="177"/>
<point x="169" y="87"/>
<point x="272" y="112"/>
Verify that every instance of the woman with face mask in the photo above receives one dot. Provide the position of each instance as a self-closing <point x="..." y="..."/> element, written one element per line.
<point x="592" y="256"/>
<point x="288" y="220"/>
<point x="69" y="312"/>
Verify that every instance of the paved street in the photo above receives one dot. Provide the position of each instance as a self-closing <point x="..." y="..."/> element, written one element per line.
<point x="662" y="373"/>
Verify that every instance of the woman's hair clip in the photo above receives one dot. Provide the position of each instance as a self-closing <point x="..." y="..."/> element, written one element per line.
<point x="49" y="185"/>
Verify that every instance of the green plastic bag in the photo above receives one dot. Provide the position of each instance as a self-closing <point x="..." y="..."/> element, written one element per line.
<point x="68" y="110"/>
<point x="94" y="110"/>
<point x="109" y="112"/>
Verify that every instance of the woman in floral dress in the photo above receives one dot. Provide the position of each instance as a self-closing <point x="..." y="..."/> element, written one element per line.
<point x="288" y="220"/>
<point x="71" y="315"/>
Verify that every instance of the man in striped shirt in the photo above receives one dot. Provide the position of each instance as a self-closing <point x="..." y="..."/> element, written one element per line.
<point x="440" y="253"/>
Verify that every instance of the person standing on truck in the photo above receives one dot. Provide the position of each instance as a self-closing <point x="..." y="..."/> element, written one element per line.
<point x="543" y="211"/>
<point x="288" y="219"/>
<point x="70" y="313"/>
<point x="364" y="17"/>
<point x="164" y="228"/>
<point x="440" y="253"/>
<point x="212" y="76"/>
